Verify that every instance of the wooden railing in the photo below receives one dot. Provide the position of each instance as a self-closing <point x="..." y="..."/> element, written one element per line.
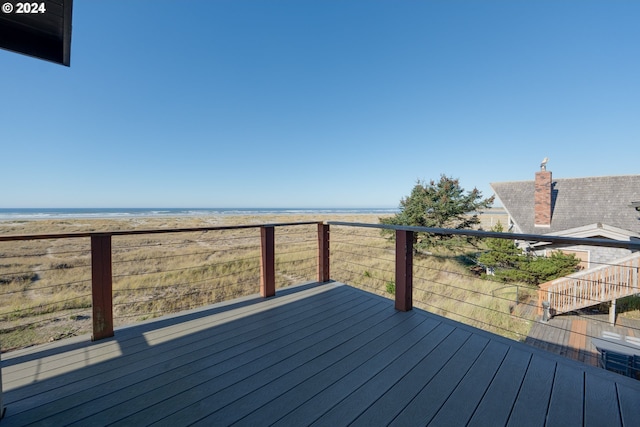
<point x="587" y="288"/>
<point x="101" y="261"/>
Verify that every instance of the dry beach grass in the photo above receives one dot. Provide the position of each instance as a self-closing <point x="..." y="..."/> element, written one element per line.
<point x="45" y="285"/>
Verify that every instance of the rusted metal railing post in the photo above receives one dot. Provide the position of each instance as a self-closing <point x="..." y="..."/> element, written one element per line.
<point x="404" y="270"/>
<point x="101" y="286"/>
<point x="267" y="262"/>
<point x="323" y="253"/>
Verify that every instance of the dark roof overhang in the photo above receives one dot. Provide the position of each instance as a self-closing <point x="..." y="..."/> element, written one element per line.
<point x="41" y="29"/>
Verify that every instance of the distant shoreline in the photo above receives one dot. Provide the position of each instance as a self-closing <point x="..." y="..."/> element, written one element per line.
<point x="10" y="214"/>
<point x="13" y="214"/>
<point x="76" y="220"/>
<point x="94" y="222"/>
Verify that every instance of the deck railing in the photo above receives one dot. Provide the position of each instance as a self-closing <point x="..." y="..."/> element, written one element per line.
<point x="101" y="263"/>
<point x="387" y="265"/>
<point x="620" y="277"/>
<point x="400" y="275"/>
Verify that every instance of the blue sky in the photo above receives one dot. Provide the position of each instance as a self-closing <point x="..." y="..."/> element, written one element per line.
<point x="289" y="103"/>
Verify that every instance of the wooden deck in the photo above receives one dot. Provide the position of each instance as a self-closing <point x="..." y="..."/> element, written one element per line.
<point x="323" y="354"/>
<point x="570" y="334"/>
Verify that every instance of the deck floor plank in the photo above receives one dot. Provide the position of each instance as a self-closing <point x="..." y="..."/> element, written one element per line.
<point x="496" y="404"/>
<point x="531" y="405"/>
<point x="318" y="376"/>
<point x="324" y="354"/>
<point x="601" y="402"/>
<point x="566" y="404"/>
<point x="434" y="394"/>
<point x="472" y="388"/>
<point x="116" y="395"/>
<point x="254" y="373"/>
<point x="352" y="394"/>
<point x="138" y="356"/>
<point x="132" y="351"/>
<point x="577" y="338"/>
<point x="385" y="409"/>
<point x="328" y="371"/>
<point x="380" y="389"/>
<point x="134" y="343"/>
<point x="177" y="324"/>
<point x="629" y="408"/>
<point x="209" y="374"/>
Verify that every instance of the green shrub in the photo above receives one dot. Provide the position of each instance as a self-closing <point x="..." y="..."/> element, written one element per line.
<point x="391" y="288"/>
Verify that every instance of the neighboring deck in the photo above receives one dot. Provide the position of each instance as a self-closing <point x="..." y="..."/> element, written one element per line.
<point x="316" y="354"/>
<point x="570" y="334"/>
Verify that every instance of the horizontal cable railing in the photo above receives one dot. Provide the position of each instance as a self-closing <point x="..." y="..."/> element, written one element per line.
<point x="49" y="288"/>
<point x="176" y="272"/>
<point x="363" y="258"/>
<point x="297" y="255"/>
<point x="57" y="285"/>
<point x="443" y="284"/>
<point x="45" y="286"/>
<point x="452" y="284"/>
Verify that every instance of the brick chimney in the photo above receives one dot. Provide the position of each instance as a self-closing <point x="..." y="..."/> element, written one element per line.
<point x="542" y="199"/>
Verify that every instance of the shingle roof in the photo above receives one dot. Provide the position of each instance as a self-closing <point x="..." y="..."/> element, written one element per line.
<point x="576" y="202"/>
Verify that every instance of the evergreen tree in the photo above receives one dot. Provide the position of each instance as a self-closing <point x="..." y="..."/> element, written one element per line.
<point x="510" y="264"/>
<point x="441" y="204"/>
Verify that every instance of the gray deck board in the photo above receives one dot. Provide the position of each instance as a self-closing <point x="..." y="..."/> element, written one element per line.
<point x="138" y="357"/>
<point x="324" y="354"/>
<point x="601" y="402"/>
<point x="566" y="404"/>
<point x="630" y="409"/>
<point x="110" y="384"/>
<point x="232" y="403"/>
<point x="333" y="370"/>
<point x="322" y="373"/>
<point x="435" y="393"/>
<point x="532" y="403"/>
<point x="137" y="344"/>
<point x="444" y="343"/>
<point x="349" y="396"/>
<point x="496" y="404"/>
<point x="232" y="365"/>
<point x="472" y="388"/>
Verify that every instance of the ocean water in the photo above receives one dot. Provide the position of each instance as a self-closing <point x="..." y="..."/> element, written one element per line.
<point x="76" y="213"/>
